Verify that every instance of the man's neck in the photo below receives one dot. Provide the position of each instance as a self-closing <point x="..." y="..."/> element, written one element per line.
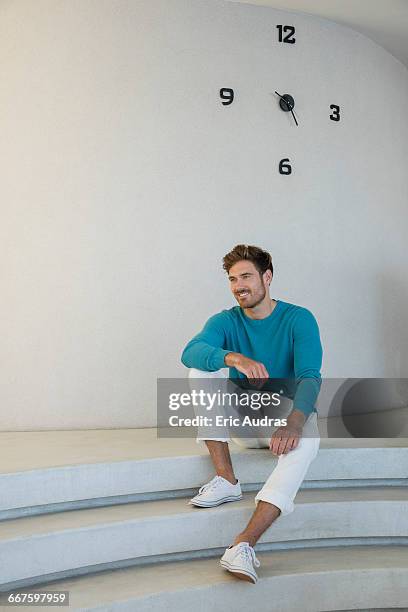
<point x="261" y="311"/>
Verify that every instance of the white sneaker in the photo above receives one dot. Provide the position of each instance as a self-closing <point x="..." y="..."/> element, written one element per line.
<point x="216" y="492"/>
<point x="240" y="560"/>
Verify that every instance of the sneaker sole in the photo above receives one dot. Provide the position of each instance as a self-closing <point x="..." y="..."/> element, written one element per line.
<point x="239" y="572"/>
<point x="202" y="504"/>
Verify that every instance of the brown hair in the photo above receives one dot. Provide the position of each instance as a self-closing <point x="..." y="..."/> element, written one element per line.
<point x="261" y="259"/>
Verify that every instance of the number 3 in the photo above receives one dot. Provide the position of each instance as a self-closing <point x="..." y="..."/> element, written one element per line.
<point x="335" y="116"/>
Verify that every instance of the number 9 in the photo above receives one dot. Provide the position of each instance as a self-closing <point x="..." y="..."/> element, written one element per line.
<point x="227" y="94"/>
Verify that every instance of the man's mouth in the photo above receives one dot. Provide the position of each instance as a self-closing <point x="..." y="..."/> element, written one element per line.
<point x="243" y="294"/>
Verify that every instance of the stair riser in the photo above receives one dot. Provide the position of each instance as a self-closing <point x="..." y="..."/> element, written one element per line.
<point x="329" y="591"/>
<point x="70" y="483"/>
<point x="200" y="529"/>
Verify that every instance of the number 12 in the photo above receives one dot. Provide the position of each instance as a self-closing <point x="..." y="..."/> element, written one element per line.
<point x="289" y="38"/>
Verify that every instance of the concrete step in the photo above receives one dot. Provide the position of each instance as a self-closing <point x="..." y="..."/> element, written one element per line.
<point x="71" y="541"/>
<point x="311" y="580"/>
<point x="59" y="470"/>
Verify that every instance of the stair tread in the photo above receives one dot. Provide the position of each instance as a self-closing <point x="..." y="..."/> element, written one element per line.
<point x="144" y="581"/>
<point x="167" y="508"/>
<point x="36" y="450"/>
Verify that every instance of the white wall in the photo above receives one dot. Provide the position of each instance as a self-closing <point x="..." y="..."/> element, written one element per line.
<point x="125" y="181"/>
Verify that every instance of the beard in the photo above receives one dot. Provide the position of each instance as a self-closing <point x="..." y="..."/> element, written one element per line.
<point x="257" y="299"/>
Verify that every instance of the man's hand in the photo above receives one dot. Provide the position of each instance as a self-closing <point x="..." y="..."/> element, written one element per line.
<point x="286" y="438"/>
<point x="255" y="371"/>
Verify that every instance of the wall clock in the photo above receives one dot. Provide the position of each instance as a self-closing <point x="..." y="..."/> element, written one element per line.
<point x="286" y="101"/>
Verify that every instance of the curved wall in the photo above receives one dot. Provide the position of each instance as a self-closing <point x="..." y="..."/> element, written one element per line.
<point x="125" y="181"/>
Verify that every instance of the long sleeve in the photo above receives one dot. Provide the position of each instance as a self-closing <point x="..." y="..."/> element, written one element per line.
<point x="307" y="350"/>
<point x="206" y="351"/>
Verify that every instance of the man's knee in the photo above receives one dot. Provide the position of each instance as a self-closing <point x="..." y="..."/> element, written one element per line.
<point x="250" y="442"/>
<point x="308" y="447"/>
<point x="196" y="373"/>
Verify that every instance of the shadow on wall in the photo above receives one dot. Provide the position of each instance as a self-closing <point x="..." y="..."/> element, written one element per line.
<point x="375" y="407"/>
<point x="367" y="407"/>
<point x="392" y="311"/>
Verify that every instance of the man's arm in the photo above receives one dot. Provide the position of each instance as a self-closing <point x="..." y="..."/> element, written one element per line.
<point x="296" y="418"/>
<point x="307" y="363"/>
<point x="255" y="371"/>
<point x="206" y="351"/>
<point x="307" y="350"/>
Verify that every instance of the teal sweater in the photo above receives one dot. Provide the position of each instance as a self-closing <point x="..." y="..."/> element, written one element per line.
<point x="287" y="342"/>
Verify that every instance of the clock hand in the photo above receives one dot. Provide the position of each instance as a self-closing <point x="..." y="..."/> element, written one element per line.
<point x="283" y="98"/>
<point x="290" y="107"/>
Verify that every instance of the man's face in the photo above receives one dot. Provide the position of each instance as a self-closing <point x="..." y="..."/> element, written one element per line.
<point x="247" y="286"/>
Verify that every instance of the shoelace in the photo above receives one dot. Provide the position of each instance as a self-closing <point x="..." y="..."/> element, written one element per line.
<point x="248" y="552"/>
<point x="210" y="485"/>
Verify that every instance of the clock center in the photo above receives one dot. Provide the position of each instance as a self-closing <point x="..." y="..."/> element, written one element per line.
<point x="286" y="102"/>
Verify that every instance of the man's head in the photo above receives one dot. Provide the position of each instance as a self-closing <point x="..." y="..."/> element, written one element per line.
<point x="250" y="273"/>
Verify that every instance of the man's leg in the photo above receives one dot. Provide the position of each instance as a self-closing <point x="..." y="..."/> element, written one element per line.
<point x="221" y="459"/>
<point x="263" y="517"/>
<point x="224" y="487"/>
<point x="275" y="498"/>
<point x="277" y="495"/>
<point x="217" y="446"/>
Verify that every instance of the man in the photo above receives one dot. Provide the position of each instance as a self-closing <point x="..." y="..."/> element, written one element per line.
<point x="260" y="340"/>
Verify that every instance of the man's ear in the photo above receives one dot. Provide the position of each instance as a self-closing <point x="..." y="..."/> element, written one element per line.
<point x="269" y="276"/>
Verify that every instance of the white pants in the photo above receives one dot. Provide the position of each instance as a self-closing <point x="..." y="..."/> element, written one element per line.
<point x="283" y="484"/>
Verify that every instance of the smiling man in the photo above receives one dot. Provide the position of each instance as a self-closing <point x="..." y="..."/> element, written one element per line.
<point x="259" y="340"/>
